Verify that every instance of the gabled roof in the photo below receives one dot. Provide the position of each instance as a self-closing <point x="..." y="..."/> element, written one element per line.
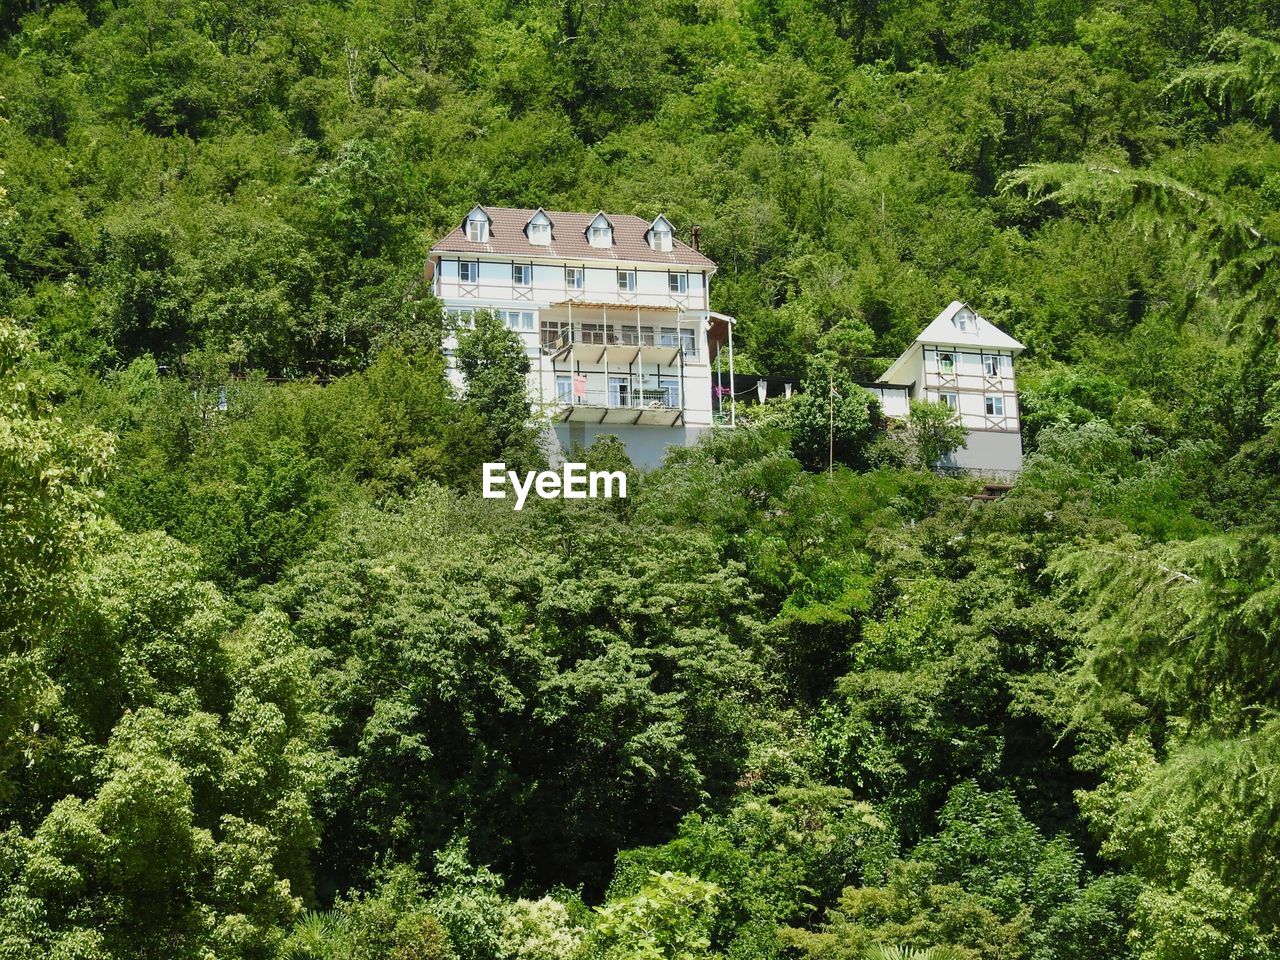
<point x="569" y="241"/>
<point x="943" y="332"/>
<point x="484" y="215"/>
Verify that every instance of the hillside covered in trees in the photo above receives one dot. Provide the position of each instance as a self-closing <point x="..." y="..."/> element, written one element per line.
<point x="276" y="684"/>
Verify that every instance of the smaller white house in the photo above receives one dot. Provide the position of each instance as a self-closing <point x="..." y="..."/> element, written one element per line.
<point x="966" y="362"/>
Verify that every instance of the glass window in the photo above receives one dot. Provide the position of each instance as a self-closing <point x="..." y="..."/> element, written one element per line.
<point x="564" y="387"/>
<point x="963" y="319"/>
<point x="468" y="271"/>
<point x="627" y="281"/>
<point x="947" y="362"/>
<point x="951" y="400"/>
<point x="573" y="278"/>
<point x="671" y="392"/>
<point x="540" y="233"/>
<point x="619" y="391"/>
<point x="662" y="239"/>
<point x="601" y="235"/>
<point x="520" y="273"/>
<point x="995" y="406"/>
<point x="677" y="282"/>
<point x="518" y="320"/>
<point x="991" y="366"/>
<point x="689" y="339"/>
<point x="593" y="333"/>
<point x="477" y="231"/>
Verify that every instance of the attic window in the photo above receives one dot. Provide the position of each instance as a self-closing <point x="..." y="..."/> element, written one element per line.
<point x="659" y="235"/>
<point x="963" y="320"/>
<point x="600" y="233"/>
<point x="538" y="229"/>
<point x="478" y="230"/>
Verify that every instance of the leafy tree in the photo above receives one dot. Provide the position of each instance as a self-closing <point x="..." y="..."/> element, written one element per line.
<point x="48" y="514"/>
<point x="832" y="420"/>
<point x="934" y="432"/>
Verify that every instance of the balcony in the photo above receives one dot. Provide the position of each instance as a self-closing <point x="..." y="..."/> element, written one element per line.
<point x="619" y="344"/>
<point x="623" y="401"/>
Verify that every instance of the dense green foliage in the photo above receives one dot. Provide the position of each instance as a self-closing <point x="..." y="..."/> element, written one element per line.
<point x="275" y="682"/>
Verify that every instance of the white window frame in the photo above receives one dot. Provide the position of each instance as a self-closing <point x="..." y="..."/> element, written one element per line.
<point x="564" y="388"/>
<point x="952" y="401"/>
<point x="948" y="365"/>
<point x="678" y="283"/>
<point x="521" y="321"/>
<point x="521" y="274"/>
<point x="627" y="281"/>
<point x="662" y="240"/>
<point x="620" y="388"/>
<point x="601" y="235"/>
<point x="993" y="405"/>
<point x="472" y="270"/>
<point x="478" y="230"/>
<point x="574" y="278"/>
<point x="991" y="365"/>
<point x="540" y="234"/>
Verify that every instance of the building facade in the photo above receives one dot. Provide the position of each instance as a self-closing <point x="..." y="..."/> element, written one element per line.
<point x="966" y="362"/>
<point x="614" y="312"/>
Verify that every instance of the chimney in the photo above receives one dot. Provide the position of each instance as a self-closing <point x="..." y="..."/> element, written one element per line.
<point x="694" y="234"/>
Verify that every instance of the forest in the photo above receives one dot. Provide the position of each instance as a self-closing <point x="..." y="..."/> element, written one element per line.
<point x="276" y="683"/>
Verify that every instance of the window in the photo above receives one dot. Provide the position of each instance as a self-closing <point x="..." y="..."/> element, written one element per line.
<point x="478" y="231"/>
<point x="521" y="321"/>
<point x="659" y="235"/>
<point x="689" y="340"/>
<point x="947" y="362"/>
<point x="555" y="333"/>
<point x="991" y="366"/>
<point x="459" y="316"/>
<point x="520" y="274"/>
<point x="627" y="281"/>
<point x="619" y="391"/>
<point x="593" y="333"/>
<point x="670" y="392"/>
<point x="468" y="272"/>
<point x="564" y="387"/>
<point x="677" y="282"/>
<point x="540" y="234"/>
<point x="995" y="406"/>
<point x="951" y="400"/>
<point x="573" y="278"/>
<point x="601" y="235"/>
<point x="963" y="319"/>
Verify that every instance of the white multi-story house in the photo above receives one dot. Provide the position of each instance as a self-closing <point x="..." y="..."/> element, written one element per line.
<point x="614" y="312"/>
<point x="965" y="361"/>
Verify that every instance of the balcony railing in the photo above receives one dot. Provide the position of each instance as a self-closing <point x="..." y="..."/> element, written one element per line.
<point x="558" y="337"/>
<point x="633" y="399"/>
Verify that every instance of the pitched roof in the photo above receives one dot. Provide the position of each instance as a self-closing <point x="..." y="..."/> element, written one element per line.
<point x="983" y="333"/>
<point x="943" y="333"/>
<point x="568" y="239"/>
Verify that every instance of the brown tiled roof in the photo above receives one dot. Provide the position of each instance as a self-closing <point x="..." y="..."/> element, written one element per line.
<point x="568" y="239"/>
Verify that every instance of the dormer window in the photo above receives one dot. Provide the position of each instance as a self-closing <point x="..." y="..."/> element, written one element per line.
<point x="538" y="229"/>
<point x="600" y="232"/>
<point x="660" y="232"/>
<point x="964" y="320"/>
<point x="477" y="226"/>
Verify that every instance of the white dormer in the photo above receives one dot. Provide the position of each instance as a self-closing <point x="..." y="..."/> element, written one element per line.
<point x="659" y="234"/>
<point x="477" y="225"/>
<point x="600" y="231"/>
<point x="964" y="321"/>
<point x="538" y="229"/>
